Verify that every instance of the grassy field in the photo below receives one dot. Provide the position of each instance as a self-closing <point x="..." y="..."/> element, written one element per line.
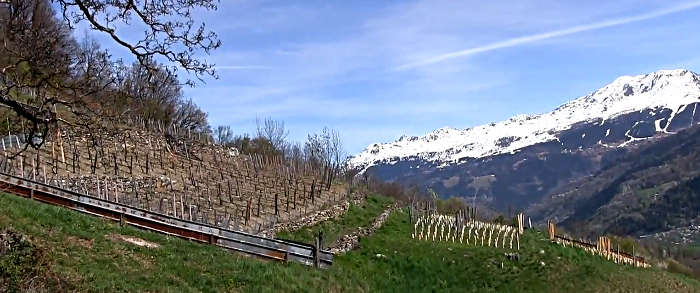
<point x="90" y="255"/>
<point x="356" y="216"/>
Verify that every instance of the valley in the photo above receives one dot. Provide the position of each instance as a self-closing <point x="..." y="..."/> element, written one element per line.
<point x="116" y="177"/>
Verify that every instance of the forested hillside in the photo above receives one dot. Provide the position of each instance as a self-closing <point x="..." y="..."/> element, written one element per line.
<point x="51" y="73"/>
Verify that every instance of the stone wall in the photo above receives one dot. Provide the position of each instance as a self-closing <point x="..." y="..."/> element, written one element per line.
<point x="352" y="240"/>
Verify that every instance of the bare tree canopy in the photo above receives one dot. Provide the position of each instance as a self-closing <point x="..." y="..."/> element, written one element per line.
<point x="169" y="24"/>
<point x="325" y="149"/>
<point x="273" y="131"/>
<point x="47" y="76"/>
<point x="189" y="116"/>
<point x="37" y="57"/>
<point x="223" y="135"/>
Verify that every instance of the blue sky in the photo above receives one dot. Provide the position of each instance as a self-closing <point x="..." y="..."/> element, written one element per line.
<point x="375" y="70"/>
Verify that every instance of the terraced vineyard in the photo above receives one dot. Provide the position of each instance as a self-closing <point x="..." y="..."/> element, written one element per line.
<point x="173" y="172"/>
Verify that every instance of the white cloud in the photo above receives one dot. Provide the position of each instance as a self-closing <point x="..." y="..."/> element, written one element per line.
<point x="236" y="67"/>
<point x="553" y="34"/>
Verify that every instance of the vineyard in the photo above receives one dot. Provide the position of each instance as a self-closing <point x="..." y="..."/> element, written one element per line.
<point x="451" y="228"/>
<point x="176" y="173"/>
<point x="464" y="227"/>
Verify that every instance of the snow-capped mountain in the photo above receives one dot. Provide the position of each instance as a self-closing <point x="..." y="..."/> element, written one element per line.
<point x="655" y="100"/>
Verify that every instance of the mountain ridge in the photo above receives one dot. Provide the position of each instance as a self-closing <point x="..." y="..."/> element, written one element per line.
<point x="576" y="164"/>
<point x="663" y="90"/>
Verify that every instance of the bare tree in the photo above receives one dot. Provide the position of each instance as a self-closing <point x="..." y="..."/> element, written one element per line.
<point x="189" y="116"/>
<point x="326" y="142"/>
<point x="272" y="131"/>
<point x="329" y="148"/>
<point x="154" y="93"/>
<point x="295" y="154"/>
<point x="38" y="68"/>
<point x="315" y="151"/>
<point x="337" y="152"/>
<point x="223" y="135"/>
<point x="169" y="24"/>
<point x="93" y="67"/>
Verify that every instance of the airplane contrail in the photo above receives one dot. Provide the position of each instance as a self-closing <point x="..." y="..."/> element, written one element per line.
<point x="553" y="34"/>
<point x="225" y="67"/>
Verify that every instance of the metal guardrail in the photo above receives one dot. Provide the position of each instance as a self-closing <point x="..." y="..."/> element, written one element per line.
<point x="265" y="248"/>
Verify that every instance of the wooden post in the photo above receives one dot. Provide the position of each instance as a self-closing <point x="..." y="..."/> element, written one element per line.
<point x="248" y="211"/>
<point x="286" y="193"/>
<point x="521" y="220"/>
<point x="320" y="239"/>
<point x="60" y="142"/>
<point x="317" y="247"/>
<point x="313" y="195"/>
<point x="182" y="207"/>
<point x="295" y="195"/>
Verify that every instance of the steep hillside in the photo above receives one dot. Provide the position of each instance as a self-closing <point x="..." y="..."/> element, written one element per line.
<point x="171" y="172"/>
<point x="521" y="161"/>
<point x="653" y="189"/>
<point x="87" y="254"/>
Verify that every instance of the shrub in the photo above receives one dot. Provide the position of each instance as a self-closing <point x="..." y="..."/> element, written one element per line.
<point x="24" y="267"/>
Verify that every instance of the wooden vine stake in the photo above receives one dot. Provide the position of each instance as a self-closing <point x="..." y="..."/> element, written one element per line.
<point x="277" y="213"/>
<point x="33" y="170"/>
<point x="550" y="229"/>
<point x="59" y="138"/>
<point x="116" y="192"/>
<point x="521" y="221"/>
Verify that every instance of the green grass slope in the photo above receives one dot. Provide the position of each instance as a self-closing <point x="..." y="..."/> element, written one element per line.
<point x="356" y="216"/>
<point x="86" y="254"/>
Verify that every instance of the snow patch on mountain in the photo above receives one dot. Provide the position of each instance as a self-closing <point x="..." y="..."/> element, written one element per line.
<point x="672" y="89"/>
